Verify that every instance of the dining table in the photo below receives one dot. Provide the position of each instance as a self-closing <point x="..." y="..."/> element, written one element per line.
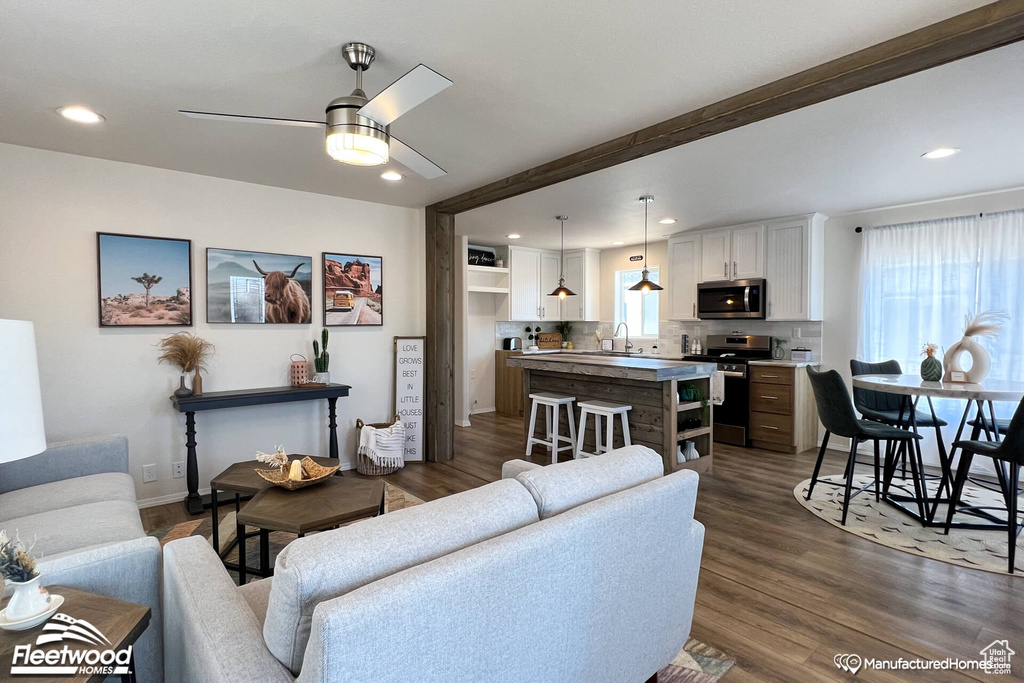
<point x="980" y="398"/>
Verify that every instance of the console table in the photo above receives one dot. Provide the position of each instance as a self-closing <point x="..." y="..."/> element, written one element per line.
<point x="216" y="400"/>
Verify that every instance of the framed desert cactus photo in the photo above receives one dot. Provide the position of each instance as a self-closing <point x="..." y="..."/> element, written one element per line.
<point x="144" y="281"/>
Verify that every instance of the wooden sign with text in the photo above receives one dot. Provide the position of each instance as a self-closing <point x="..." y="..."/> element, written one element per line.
<point x="410" y="368"/>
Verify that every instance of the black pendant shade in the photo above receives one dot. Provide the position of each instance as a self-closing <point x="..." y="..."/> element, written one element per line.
<point x="645" y="285"/>
<point x="561" y="291"/>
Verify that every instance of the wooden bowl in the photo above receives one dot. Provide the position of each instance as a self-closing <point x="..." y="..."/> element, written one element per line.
<point x="312" y="473"/>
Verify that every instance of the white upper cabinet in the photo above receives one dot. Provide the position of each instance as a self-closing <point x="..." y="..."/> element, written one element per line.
<point x="550" y="267"/>
<point x="732" y="253"/>
<point x="582" y="270"/>
<point x="524" y="284"/>
<point x="715" y="255"/>
<point x="747" y="252"/>
<point x="684" y="263"/>
<point x="795" y="268"/>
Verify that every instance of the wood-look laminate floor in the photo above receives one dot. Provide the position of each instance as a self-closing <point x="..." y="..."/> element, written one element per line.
<point x="780" y="591"/>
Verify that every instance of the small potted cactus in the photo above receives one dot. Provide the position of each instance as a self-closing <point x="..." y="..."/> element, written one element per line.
<point x="321" y="360"/>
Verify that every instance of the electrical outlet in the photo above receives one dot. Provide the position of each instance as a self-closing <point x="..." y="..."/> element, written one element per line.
<point x="178" y="470"/>
<point x="796" y="332"/>
<point x="148" y="473"/>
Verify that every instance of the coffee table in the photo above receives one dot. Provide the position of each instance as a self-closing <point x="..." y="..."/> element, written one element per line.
<point x="242" y="480"/>
<point x="314" y="508"/>
<point x="122" y="623"/>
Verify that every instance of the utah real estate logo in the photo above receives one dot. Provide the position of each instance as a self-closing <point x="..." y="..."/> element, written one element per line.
<point x="100" y="659"/>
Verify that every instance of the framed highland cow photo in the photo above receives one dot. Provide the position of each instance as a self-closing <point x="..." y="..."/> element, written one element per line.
<point x="258" y="287"/>
<point x="144" y="281"/>
<point x="353" y="290"/>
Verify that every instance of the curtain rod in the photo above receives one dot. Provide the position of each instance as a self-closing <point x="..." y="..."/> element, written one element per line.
<point x="859" y="229"/>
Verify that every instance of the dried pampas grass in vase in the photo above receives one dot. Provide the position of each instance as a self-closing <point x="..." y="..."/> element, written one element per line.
<point x="189" y="353"/>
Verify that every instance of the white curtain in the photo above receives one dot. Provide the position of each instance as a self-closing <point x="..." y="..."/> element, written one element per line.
<point x="920" y="280"/>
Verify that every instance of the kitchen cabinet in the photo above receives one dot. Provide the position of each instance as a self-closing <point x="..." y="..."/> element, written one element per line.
<point x="533" y="275"/>
<point x="684" y="263"/>
<point x="582" y="270"/>
<point x="735" y="253"/>
<point x="783" y="414"/>
<point x="508" y="385"/>
<point x="550" y="267"/>
<point x="795" y="268"/>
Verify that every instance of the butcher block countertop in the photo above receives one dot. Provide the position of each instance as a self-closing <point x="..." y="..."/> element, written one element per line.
<point x="622" y="367"/>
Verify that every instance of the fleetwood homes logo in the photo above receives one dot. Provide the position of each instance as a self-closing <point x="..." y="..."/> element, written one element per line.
<point x="100" y="659"/>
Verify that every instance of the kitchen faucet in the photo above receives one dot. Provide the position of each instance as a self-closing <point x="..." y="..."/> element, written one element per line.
<point x="616" y="334"/>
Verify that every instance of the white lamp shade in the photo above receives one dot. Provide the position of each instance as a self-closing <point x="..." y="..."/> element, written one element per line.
<point x="21" y="405"/>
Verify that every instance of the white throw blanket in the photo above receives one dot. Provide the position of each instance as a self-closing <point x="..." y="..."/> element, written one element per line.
<point x="385" y="447"/>
<point x="717" y="388"/>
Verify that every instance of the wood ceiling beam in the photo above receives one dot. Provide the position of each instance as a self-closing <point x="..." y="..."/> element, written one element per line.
<point x="986" y="28"/>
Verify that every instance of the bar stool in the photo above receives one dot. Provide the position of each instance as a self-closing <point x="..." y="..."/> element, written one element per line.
<point x="608" y="411"/>
<point x="553" y="404"/>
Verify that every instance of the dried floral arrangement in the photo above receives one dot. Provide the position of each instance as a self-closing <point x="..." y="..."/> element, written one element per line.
<point x="929" y="349"/>
<point x="185" y="350"/>
<point x="988" y="324"/>
<point x="16" y="561"/>
<point x="276" y="459"/>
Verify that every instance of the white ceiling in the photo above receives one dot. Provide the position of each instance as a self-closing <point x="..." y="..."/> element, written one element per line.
<point x="855" y="152"/>
<point x="534" y="80"/>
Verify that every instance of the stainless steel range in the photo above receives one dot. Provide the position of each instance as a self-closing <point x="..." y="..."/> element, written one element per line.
<point x="732" y="353"/>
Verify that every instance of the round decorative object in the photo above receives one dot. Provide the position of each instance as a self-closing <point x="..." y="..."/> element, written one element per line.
<point x="931" y="369"/>
<point x="982" y="361"/>
<point x="312" y="473"/>
<point x="8" y="624"/>
<point x="299" y="372"/>
<point x="29" y="599"/>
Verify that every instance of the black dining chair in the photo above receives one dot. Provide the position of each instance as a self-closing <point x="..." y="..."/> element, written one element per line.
<point x="835" y="410"/>
<point x="1008" y="452"/>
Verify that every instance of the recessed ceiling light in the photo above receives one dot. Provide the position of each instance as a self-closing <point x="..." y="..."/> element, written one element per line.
<point x="667" y="221"/>
<point x="941" y="153"/>
<point x="514" y="236"/>
<point x="391" y="175"/>
<point x="617" y="243"/>
<point x="80" y="115"/>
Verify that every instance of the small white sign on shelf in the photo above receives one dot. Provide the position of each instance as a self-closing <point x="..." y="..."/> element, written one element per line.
<point x="410" y="361"/>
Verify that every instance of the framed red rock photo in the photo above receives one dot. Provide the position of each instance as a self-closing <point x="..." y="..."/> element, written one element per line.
<point x="353" y="290"/>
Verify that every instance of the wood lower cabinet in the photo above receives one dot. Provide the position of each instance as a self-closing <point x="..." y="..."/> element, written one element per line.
<point x="783" y="415"/>
<point x="508" y="385"/>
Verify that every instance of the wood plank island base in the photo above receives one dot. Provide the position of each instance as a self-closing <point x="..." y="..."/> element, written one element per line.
<point x="651" y="386"/>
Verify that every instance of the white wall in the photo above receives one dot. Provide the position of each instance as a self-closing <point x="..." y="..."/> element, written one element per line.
<point x="842" y="271"/>
<point x="482" y="313"/>
<point x="98" y="382"/>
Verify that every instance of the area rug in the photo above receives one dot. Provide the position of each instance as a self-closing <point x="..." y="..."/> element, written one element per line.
<point x="884" y="524"/>
<point x="394" y="499"/>
<point x="697" y="663"/>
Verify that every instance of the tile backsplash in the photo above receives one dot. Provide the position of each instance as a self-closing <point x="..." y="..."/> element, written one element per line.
<point x="582" y="335"/>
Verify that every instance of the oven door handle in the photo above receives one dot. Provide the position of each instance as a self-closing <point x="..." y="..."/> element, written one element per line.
<point x="731" y="373"/>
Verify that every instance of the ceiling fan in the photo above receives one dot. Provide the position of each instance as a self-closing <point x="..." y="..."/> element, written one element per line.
<point x="358" y="127"/>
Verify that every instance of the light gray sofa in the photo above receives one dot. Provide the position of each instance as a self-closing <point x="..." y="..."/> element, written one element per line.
<point x="76" y="503"/>
<point x="583" y="571"/>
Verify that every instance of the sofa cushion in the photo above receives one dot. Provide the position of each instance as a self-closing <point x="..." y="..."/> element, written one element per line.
<point x="332" y="563"/>
<point x="563" y="486"/>
<point x="66" y="460"/>
<point x="92" y="524"/>
<point x="67" y="493"/>
<point x="513" y="468"/>
<point x="257" y="594"/>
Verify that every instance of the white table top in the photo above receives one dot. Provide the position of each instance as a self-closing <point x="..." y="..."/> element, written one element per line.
<point x="913" y="385"/>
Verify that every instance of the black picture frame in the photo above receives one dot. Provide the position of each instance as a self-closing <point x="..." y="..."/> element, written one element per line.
<point x="367" y="305"/>
<point x="219" y="295"/>
<point x="118" y="255"/>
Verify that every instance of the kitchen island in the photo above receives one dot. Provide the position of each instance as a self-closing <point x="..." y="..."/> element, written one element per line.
<point x="658" y="418"/>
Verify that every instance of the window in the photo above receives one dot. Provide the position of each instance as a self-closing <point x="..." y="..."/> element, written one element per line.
<point x="639" y="311"/>
<point x="920" y="280"/>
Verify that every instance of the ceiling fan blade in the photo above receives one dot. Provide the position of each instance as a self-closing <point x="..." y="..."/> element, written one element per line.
<point x="409" y="91"/>
<point x="251" y="119"/>
<point x="414" y="161"/>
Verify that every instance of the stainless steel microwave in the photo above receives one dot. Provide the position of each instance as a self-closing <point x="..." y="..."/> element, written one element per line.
<point x="735" y="299"/>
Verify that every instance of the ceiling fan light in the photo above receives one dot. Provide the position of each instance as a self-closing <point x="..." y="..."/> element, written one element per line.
<point x="357" y="149"/>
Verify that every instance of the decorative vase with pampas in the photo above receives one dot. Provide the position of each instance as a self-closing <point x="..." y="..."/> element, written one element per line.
<point x="931" y="367"/>
<point x="987" y="324"/>
<point x="189" y="353"/>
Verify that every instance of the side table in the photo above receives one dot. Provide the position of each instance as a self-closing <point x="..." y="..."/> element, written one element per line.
<point x="120" y="622"/>
<point x="322" y="506"/>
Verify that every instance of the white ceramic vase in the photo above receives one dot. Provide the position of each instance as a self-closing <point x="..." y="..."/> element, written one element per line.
<point x="979" y="369"/>
<point x="689" y="451"/>
<point x="29" y="599"/>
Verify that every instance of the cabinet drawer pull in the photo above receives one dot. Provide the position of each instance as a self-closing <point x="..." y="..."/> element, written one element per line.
<point x="769" y="427"/>
<point x="695" y="310"/>
<point x="771" y="398"/>
<point x="770" y="376"/>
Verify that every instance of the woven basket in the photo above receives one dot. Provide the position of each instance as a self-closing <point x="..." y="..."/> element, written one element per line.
<point x="313" y="473"/>
<point x="363" y="463"/>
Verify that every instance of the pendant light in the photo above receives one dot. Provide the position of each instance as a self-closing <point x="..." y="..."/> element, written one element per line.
<point x="562" y="291"/>
<point x="645" y="285"/>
